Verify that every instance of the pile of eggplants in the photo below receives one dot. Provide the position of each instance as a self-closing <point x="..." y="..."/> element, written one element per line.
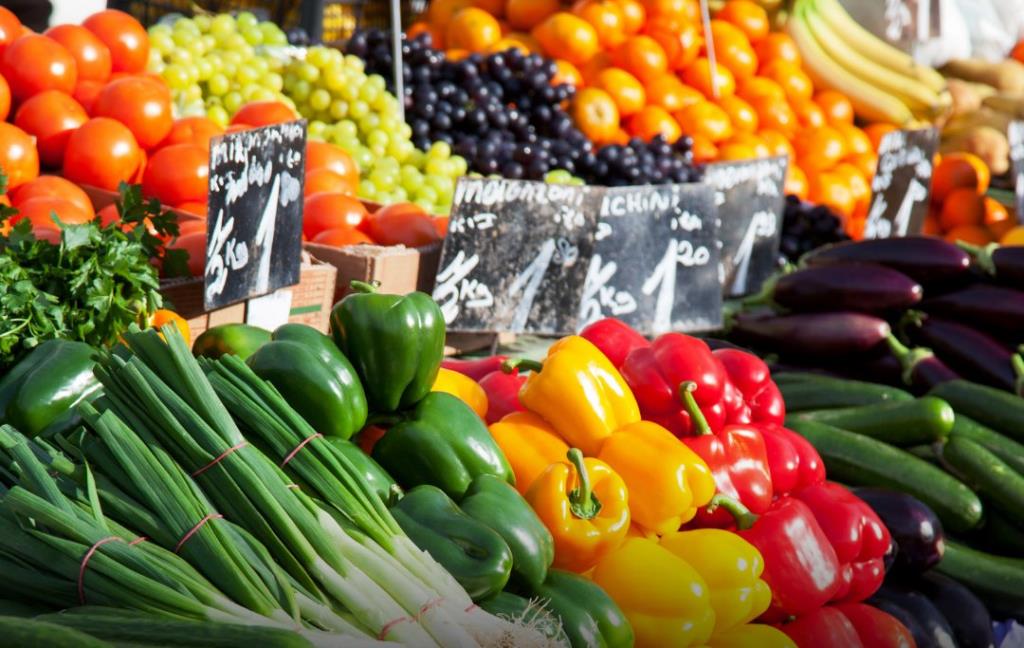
<point x="915" y="311"/>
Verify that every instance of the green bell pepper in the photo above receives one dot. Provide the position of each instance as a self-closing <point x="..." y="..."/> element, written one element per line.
<point x="500" y="506"/>
<point x="241" y="340"/>
<point x="444" y="443"/>
<point x="369" y="470"/>
<point x="395" y="342"/>
<point x="44" y="387"/>
<point x="590" y="618"/>
<point x="315" y="378"/>
<point x="515" y="608"/>
<point x="473" y="553"/>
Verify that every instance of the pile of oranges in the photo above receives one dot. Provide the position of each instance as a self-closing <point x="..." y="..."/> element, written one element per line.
<point x="960" y="210"/>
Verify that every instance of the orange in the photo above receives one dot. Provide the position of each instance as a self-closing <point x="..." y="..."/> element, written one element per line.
<point x="855" y="181"/>
<point x="682" y="43"/>
<point x="698" y="75"/>
<point x="825" y="188"/>
<point x="652" y="121"/>
<point x="972" y="234"/>
<point x="621" y="137"/>
<point x="741" y="114"/>
<point x="778" y="46"/>
<point x="634" y="15"/>
<point x="876" y="131"/>
<point x="796" y="182"/>
<point x="424" y="27"/>
<point x="1014" y="237"/>
<point x="857" y="141"/>
<point x="958" y="171"/>
<point x="930" y="226"/>
<point x="794" y="81"/>
<point x="704" y="150"/>
<point x="628" y="93"/>
<point x="809" y="114"/>
<point x="732" y="49"/>
<point x="778" y="144"/>
<point x="755" y="87"/>
<point x="505" y="44"/>
<point x="707" y="120"/>
<point x="666" y="9"/>
<point x="606" y="18"/>
<point x="669" y="92"/>
<point x="866" y="163"/>
<point x="456" y="54"/>
<point x="494" y="7"/>
<point x="820" y="148"/>
<point x="567" y="73"/>
<point x="743" y="146"/>
<point x="1018" y="52"/>
<point x="836" y="106"/>
<point x="441" y="11"/>
<point x="525" y="14"/>
<point x="473" y="29"/>
<point x="568" y="37"/>
<point x="748" y="16"/>
<point x="775" y="114"/>
<point x="642" y="57"/>
<point x="995" y="213"/>
<point x="595" y="114"/>
<point x="962" y="207"/>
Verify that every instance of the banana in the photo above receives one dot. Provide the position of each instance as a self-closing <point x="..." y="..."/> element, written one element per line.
<point x="870" y="46"/>
<point x="868" y="102"/>
<point x="1011" y="104"/>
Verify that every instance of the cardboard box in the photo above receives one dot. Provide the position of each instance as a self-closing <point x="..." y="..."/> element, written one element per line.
<point x="400" y="270"/>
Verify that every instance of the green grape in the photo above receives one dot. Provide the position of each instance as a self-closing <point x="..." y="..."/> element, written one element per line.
<point x="363" y="157"/>
<point x="261" y="65"/>
<point x="247" y="20"/>
<point x="274" y="81"/>
<point x="213" y="100"/>
<point x="204" y="68"/>
<point x="272" y="35"/>
<point x="195" y="47"/>
<point x="253" y="36"/>
<point x="176" y="76"/>
<point x="319" y="99"/>
<point x="411" y="176"/>
<point x="261" y="93"/>
<point x="459" y="165"/>
<point x="202" y="22"/>
<point x="162" y="44"/>
<point x="358" y="109"/>
<point x="347" y="128"/>
<point x="370" y="123"/>
<point x="405" y="131"/>
<point x="426" y="205"/>
<point x="349" y="91"/>
<point x="156" y="62"/>
<point x="399" y="149"/>
<point x="427" y="193"/>
<point x="317" y="128"/>
<point x="376" y="82"/>
<point x="436" y="167"/>
<point x="182" y="57"/>
<point x="382" y="179"/>
<point x="384" y="103"/>
<point x="557" y="176"/>
<point x="354" y="62"/>
<point x="368" y="93"/>
<point x="350" y="144"/>
<point x="399" y="194"/>
<point x="222" y="25"/>
<point x="318" y="56"/>
<point x="193" y="93"/>
<point x="440" y="151"/>
<point x="209" y="42"/>
<point x="301" y="90"/>
<point x="367" y="189"/>
<point x="234" y="58"/>
<point x="339" y="109"/>
<point x="443" y="185"/>
<point x="309" y="72"/>
<point x="235" y="41"/>
<point x="376" y="137"/>
<point x="161" y="29"/>
<point x="247" y="75"/>
<point x="335" y="78"/>
<point x="218" y="85"/>
<point x="233" y="101"/>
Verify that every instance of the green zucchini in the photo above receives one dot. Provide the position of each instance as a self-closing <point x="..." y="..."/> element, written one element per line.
<point x="140" y="630"/>
<point x="989" y="475"/>
<point x="998" y="444"/>
<point x="859" y="460"/>
<point x="804" y="395"/>
<point x="902" y="423"/>
<point x="997" y="581"/>
<point x="999" y="410"/>
<point x="16" y="632"/>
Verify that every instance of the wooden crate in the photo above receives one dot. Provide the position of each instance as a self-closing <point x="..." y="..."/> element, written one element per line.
<point x="400" y="270"/>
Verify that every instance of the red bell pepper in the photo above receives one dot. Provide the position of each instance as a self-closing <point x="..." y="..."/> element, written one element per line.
<point x="614" y="338"/>
<point x="762" y="399"/>
<point x="858" y="536"/>
<point x="875" y="628"/>
<point x="800" y="566"/>
<point x="825" y="626"/>
<point x="476" y="368"/>
<point x="792" y="460"/>
<point x="502" y="391"/>
<point x="737" y="459"/>
<point x="655" y="374"/>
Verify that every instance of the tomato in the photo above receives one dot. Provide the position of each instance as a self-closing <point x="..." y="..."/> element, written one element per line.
<point x="91" y="56"/>
<point x="10" y="27"/>
<point x="40" y="212"/>
<point x="50" y="116"/>
<point x="141" y="104"/>
<point x="321" y="155"/>
<point x="47" y="233"/>
<point x="140" y="171"/>
<point x="330" y="210"/>
<point x="325" y="181"/>
<point x="195" y="207"/>
<point x="35" y="63"/>
<point x="192" y="130"/>
<point x="101" y="153"/>
<point x="19" y="159"/>
<point x="263" y="113"/>
<point x="50" y="186"/>
<point x="124" y="37"/>
<point x="191" y="226"/>
<point x="193" y="243"/>
<point x="342" y="236"/>
<point x="177" y="174"/>
<point x="86" y="92"/>
<point x="441" y="225"/>
<point x="108" y="215"/>
<point x="5" y="99"/>
<point x="401" y="224"/>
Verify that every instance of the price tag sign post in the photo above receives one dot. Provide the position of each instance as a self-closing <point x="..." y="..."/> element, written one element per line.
<point x="254" y="213"/>
<point x="902" y="183"/>
<point x="1015" y="134"/>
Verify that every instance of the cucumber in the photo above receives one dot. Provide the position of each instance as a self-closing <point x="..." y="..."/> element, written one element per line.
<point x="859" y="460"/>
<point x="805" y="395"/>
<point x="924" y="453"/>
<point x="902" y="423"/>
<point x="997" y="581"/>
<point x="16" y="632"/>
<point x="990" y="476"/>
<point x="797" y="377"/>
<point x="154" y="631"/>
<point x="998" y="444"/>
<point x="1001" y="535"/>
<point x="999" y="410"/>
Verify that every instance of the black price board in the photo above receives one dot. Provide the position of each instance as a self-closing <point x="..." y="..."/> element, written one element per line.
<point x="1015" y="133"/>
<point x="516" y="255"/>
<point x="655" y="263"/>
<point x="901" y="185"/>
<point x="254" y="216"/>
<point x="750" y="198"/>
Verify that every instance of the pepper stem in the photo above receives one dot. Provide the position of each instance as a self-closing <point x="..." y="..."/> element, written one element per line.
<point x="982" y="255"/>
<point x="522" y="364"/>
<point x="744" y="518"/>
<point x="909" y="358"/>
<point x="364" y="286"/>
<point x="582" y="501"/>
<point x="700" y="424"/>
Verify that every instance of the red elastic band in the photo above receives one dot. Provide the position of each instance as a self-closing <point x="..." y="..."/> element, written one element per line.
<point x="390" y="625"/>
<point x="195" y="529"/>
<point x="85" y="563"/>
<point x="299" y="447"/>
<point x="472" y="607"/>
<point x="220" y="458"/>
<point x="291" y="486"/>
<point x="138" y="540"/>
<point x="428" y="605"/>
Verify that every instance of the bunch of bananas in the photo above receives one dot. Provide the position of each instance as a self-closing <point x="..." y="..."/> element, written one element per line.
<point x="883" y="83"/>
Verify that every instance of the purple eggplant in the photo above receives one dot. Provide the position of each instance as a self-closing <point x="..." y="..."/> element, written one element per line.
<point x="990" y="308"/>
<point x="1004" y="263"/>
<point x="926" y="260"/>
<point x="914" y="527"/>
<point x="819" y="335"/>
<point x="927" y="624"/>
<point x="862" y="287"/>
<point x="921" y="369"/>
<point x="975" y="355"/>
<point x="967" y="615"/>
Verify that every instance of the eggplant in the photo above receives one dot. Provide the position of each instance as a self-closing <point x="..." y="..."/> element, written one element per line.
<point x="1004" y="263"/>
<point x="913" y="525"/>
<point x="932" y="628"/>
<point x="921" y="369"/>
<point x="904" y="616"/>
<point x="861" y="287"/>
<point x="819" y="335"/>
<point x="926" y="260"/>
<point x="989" y="308"/>
<point x="975" y="355"/>
<point x="966" y="614"/>
<point x="717" y="343"/>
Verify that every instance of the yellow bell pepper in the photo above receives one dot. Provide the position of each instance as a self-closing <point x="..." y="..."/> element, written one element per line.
<point x="751" y="636"/>
<point x="663" y="596"/>
<point x="462" y="387"/>
<point x="731" y="567"/>
<point x="583" y="505"/>
<point x="530" y="444"/>
<point x="579" y="392"/>
<point x="667" y="481"/>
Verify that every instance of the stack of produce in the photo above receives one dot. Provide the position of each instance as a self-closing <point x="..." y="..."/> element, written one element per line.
<point x="960" y="210"/>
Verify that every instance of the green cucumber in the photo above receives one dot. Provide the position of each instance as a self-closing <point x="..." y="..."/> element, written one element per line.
<point x="859" y="460"/>
<point x="801" y="396"/>
<point x="1001" y="535"/>
<point x="924" y="453"/>
<point x="157" y="631"/>
<point x="997" y="581"/>
<point x="797" y="377"/>
<point x="999" y="410"/>
<point x="989" y="475"/>
<point x="998" y="444"/>
<point x="901" y="423"/>
<point x="16" y="632"/>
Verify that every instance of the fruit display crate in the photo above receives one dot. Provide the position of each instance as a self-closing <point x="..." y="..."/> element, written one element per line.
<point x="398" y="269"/>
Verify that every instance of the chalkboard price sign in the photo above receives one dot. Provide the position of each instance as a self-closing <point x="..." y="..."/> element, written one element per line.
<point x="655" y="263"/>
<point x="254" y="215"/>
<point x="1015" y="133"/>
<point x="901" y="184"/>
<point x="750" y="199"/>
<point x="516" y="255"/>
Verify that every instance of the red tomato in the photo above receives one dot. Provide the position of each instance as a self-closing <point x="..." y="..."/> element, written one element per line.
<point x="91" y="55"/>
<point x="124" y="37"/>
<point x="5" y="99"/>
<point x="191" y="226"/>
<point x="35" y="63"/>
<point x="193" y="207"/>
<point x="108" y="215"/>
<point x="177" y="174"/>
<point x="50" y="116"/>
<point x="329" y="211"/>
<point x="50" y="186"/>
<point x="47" y="233"/>
<point x="86" y="92"/>
<point x="101" y="153"/>
<point x="40" y="211"/>
<point x="140" y="172"/>
<point x="19" y="159"/>
<point x="342" y="236"/>
<point x="322" y="155"/>
<point x="441" y="225"/>
<point x="194" y="243"/>
<point x="263" y="113"/>
<point x="193" y="130"/>
<point x="141" y="104"/>
<point x="325" y="181"/>
<point x="10" y="27"/>
<point x="401" y="224"/>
